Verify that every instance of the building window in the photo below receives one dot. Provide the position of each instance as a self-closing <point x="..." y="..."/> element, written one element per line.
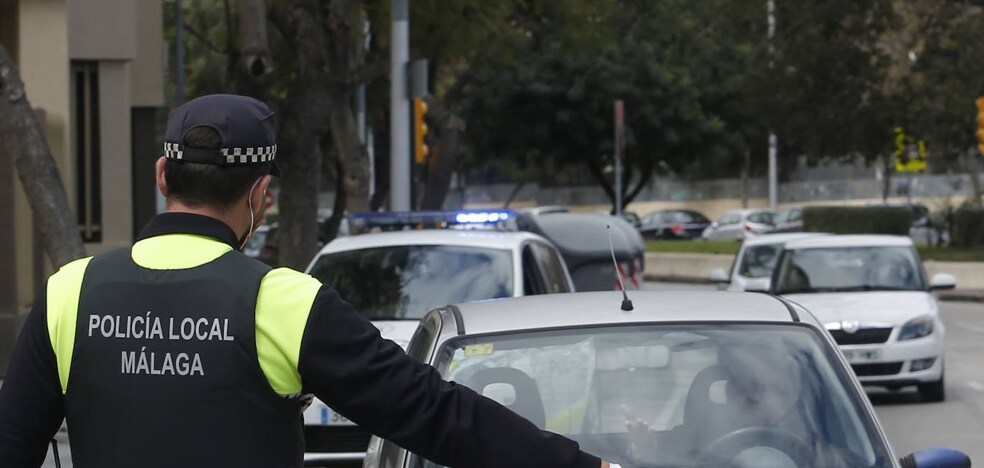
<point x="85" y="118"/>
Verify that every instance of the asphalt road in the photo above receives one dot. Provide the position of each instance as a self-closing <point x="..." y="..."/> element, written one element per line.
<point x="911" y="425"/>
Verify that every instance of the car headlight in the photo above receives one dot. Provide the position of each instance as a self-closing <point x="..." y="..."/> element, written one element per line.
<point x="917" y="328"/>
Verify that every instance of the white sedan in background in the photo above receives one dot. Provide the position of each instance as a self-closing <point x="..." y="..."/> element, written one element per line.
<point x="755" y="262"/>
<point x="871" y="293"/>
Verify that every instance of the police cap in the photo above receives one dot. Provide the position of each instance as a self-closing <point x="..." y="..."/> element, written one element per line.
<point x="245" y="125"/>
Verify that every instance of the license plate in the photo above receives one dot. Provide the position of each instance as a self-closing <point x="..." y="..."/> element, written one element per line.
<point x="862" y="355"/>
<point x="332" y="418"/>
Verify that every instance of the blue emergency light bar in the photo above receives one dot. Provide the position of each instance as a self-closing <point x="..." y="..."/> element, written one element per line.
<point x="428" y="219"/>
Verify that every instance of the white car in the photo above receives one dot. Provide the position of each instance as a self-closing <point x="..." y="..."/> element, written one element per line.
<point x="872" y="295"/>
<point x="755" y="262"/>
<point x="394" y="278"/>
<point x="740" y="224"/>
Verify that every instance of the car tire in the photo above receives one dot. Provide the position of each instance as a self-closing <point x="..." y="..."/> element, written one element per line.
<point x="933" y="392"/>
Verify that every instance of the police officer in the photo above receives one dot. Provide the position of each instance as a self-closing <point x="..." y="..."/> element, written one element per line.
<point x="182" y="352"/>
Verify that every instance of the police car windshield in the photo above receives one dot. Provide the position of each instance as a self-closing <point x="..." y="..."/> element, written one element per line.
<point x="712" y="394"/>
<point x="407" y="281"/>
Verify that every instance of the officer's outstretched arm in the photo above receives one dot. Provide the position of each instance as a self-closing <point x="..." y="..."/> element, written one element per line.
<point x="31" y="403"/>
<point x="344" y="362"/>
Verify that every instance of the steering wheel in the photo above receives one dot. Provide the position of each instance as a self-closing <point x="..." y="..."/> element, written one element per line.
<point x="722" y="452"/>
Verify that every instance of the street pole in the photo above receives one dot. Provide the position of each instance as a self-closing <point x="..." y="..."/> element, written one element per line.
<point x="619" y="136"/>
<point x="399" y="109"/>
<point x="773" y="140"/>
<point x="179" y="85"/>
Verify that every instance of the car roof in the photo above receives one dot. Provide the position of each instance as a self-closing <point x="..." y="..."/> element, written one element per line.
<point x="781" y="238"/>
<point x="850" y="240"/>
<point x="601" y="308"/>
<point x="472" y="238"/>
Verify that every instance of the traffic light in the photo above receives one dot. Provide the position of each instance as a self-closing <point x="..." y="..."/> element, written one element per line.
<point x="980" y="125"/>
<point x="419" y="131"/>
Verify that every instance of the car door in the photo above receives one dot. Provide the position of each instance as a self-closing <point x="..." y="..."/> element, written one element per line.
<point x="726" y="227"/>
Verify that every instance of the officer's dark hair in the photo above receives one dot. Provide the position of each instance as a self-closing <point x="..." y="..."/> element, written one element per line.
<point x="196" y="184"/>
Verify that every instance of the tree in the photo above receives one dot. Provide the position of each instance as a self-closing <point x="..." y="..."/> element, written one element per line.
<point x="320" y="63"/>
<point x="22" y="138"/>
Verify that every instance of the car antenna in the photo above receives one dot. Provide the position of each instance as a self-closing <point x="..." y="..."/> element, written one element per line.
<point x="626" y="303"/>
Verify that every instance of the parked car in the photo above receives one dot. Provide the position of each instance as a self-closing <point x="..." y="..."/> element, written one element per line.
<point x="682" y="380"/>
<point x="739" y="224"/>
<point x="583" y="240"/>
<point x="871" y="293"/>
<point x="674" y="224"/>
<point x="755" y="261"/>
<point x="789" y="220"/>
<point x="394" y="278"/>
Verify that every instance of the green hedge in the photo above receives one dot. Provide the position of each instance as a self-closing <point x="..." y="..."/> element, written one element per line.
<point x="858" y="219"/>
<point x="968" y="227"/>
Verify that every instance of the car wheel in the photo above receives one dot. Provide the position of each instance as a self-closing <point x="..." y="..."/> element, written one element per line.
<point x="932" y="392"/>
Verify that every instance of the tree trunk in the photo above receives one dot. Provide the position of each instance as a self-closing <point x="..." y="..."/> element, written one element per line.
<point x="599" y="176"/>
<point x="337" y="209"/>
<point x="21" y="137"/>
<point x="253" y="38"/>
<point x="886" y="178"/>
<point x="353" y="157"/>
<point x="512" y="195"/>
<point x="746" y="166"/>
<point x="297" y="237"/>
<point x="972" y="166"/>
<point x="448" y="131"/>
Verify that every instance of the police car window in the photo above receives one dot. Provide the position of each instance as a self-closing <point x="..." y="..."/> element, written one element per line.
<point x="407" y="281"/>
<point x="551" y="267"/>
<point x="533" y="281"/>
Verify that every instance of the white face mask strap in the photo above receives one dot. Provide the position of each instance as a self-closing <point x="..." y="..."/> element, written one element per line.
<point x="249" y="200"/>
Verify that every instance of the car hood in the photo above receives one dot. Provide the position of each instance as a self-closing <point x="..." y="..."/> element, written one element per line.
<point x="881" y="307"/>
<point x="399" y="331"/>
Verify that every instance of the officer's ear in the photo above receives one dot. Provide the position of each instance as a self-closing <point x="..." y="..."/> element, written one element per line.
<point x="161" y="181"/>
<point x="258" y="195"/>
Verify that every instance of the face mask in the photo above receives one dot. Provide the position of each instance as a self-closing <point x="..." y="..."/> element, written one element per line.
<point x="252" y="218"/>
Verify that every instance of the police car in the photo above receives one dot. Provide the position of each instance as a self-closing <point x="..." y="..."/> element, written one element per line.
<point x="395" y="276"/>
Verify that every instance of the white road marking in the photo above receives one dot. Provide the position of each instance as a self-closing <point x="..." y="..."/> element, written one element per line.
<point x="976" y="386"/>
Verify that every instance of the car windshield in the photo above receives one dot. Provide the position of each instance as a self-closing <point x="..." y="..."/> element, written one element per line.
<point x="407" y="281"/>
<point x="711" y="395"/>
<point x="848" y="269"/>
<point x="759" y="261"/>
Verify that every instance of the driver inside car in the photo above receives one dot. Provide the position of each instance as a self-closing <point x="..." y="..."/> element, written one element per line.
<point x="738" y="413"/>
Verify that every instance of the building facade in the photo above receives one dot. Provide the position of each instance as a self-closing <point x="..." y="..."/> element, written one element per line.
<point x="94" y="72"/>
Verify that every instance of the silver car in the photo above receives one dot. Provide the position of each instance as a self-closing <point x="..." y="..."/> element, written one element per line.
<point x="681" y="380"/>
<point x="740" y="224"/>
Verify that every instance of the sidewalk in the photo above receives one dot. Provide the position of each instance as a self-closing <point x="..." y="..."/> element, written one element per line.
<point x="961" y="295"/>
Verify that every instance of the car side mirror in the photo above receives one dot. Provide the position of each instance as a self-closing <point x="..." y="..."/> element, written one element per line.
<point x="937" y="457"/>
<point x="719" y="275"/>
<point x="942" y="281"/>
<point x="760" y="285"/>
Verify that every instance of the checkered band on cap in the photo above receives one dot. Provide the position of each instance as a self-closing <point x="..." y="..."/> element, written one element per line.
<point x="249" y="155"/>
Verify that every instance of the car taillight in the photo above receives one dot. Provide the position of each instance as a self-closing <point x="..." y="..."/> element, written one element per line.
<point x="748" y="227"/>
<point x="677" y="228"/>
